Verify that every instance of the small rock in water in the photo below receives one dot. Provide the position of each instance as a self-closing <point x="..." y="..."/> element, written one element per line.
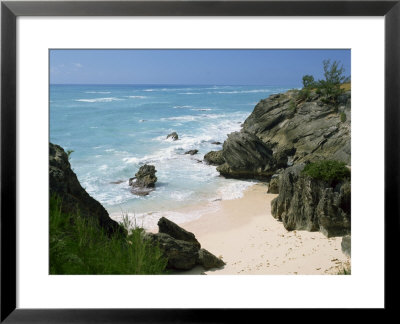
<point x="192" y="152"/>
<point x="173" y="135"/>
<point x="216" y="143"/>
<point x="117" y="182"/>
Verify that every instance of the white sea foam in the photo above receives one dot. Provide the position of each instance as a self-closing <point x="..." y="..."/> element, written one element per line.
<point x="100" y="99"/>
<point x="234" y="189"/>
<point x="182" y="107"/>
<point x="136" y="97"/>
<point x="150" y="219"/>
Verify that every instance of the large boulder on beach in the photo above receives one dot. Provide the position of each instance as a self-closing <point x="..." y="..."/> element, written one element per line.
<point x="144" y="181"/>
<point x="209" y="260"/>
<point x="214" y="158"/>
<point x="305" y="203"/>
<point x="168" y="227"/>
<point x="173" y="136"/>
<point x="64" y="183"/>
<point x="181" y="248"/>
<point x="246" y="156"/>
<point x="181" y="255"/>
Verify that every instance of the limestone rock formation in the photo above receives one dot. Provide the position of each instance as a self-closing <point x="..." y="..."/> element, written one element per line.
<point x="284" y="130"/>
<point x="305" y="203"/>
<point x="273" y="186"/>
<point x="246" y="156"/>
<point x="64" y="183"/>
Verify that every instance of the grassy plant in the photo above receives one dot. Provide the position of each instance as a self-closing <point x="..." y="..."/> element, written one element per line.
<point x="292" y="106"/>
<point x="343" y="117"/>
<point x="330" y="171"/>
<point x="304" y="94"/>
<point x="80" y="246"/>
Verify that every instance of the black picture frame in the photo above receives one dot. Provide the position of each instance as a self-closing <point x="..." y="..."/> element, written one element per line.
<point x="10" y="10"/>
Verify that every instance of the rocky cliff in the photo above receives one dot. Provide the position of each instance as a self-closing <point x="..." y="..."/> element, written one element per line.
<point x="286" y="129"/>
<point x="64" y="183"/>
<point x="281" y="135"/>
<point x="311" y="204"/>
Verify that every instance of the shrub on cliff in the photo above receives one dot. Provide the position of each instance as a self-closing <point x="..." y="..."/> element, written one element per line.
<point x="330" y="171"/>
<point x="80" y="246"/>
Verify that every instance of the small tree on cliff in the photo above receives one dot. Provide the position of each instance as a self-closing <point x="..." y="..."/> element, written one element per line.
<point x="330" y="87"/>
<point x="309" y="82"/>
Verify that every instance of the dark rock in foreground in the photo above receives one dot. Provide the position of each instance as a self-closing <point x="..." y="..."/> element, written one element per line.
<point x="64" y="183"/>
<point x="192" y="152"/>
<point x="209" y="260"/>
<point x="214" y="158"/>
<point x="181" y="255"/>
<point x="173" y="135"/>
<point x="246" y="157"/>
<point x="181" y="247"/>
<point x="346" y="245"/>
<point x="308" y="204"/>
<point x="144" y="181"/>
<point x="167" y="227"/>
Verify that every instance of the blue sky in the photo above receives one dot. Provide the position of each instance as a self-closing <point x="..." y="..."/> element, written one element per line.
<point x="196" y="67"/>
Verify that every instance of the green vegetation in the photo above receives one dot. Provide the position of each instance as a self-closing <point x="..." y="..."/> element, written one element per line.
<point x="331" y="171"/>
<point x="292" y="105"/>
<point x="80" y="246"/>
<point x="343" y="117"/>
<point x="309" y="82"/>
<point x="331" y="87"/>
<point x="69" y="152"/>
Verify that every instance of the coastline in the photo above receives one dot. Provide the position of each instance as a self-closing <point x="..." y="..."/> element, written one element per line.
<point x="251" y="241"/>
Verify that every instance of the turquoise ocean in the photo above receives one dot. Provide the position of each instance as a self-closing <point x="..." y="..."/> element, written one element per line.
<point x="114" y="129"/>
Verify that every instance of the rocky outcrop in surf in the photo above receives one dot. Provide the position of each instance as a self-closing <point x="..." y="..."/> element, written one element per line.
<point x="64" y="183"/>
<point x="144" y="181"/>
<point x="174" y="136"/>
<point x="305" y="203"/>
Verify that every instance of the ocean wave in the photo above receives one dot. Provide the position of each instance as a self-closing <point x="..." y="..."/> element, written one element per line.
<point x="136" y="97"/>
<point x="104" y="92"/>
<point x="242" y="91"/>
<point x="99" y="99"/>
<point x="182" y="107"/>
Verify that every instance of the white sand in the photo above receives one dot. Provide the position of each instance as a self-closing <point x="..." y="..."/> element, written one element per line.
<point x="251" y="241"/>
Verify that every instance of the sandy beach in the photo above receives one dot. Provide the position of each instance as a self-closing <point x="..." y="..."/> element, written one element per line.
<point x="250" y="241"/>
